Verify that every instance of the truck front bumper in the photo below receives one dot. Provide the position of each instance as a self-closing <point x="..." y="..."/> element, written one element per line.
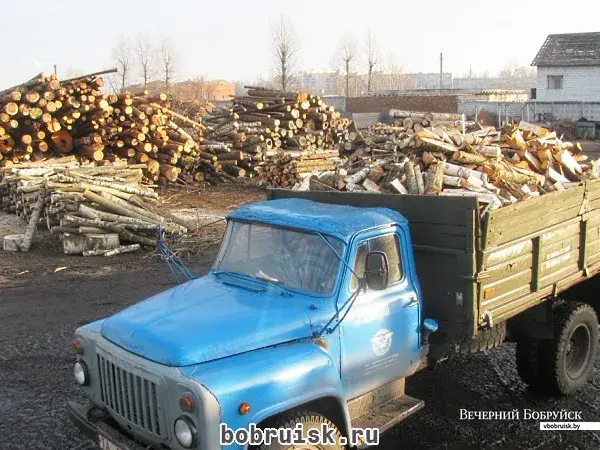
<point x="93" y="422"/>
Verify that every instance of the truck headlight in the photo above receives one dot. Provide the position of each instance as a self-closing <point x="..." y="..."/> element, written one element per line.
<point x="185" y="432"/>
<point x="80" y="371"/>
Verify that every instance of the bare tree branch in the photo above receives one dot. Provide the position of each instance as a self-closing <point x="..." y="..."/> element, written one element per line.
<point x="285" y="48"/>
<point x="169" y="61"/>
<point x="122" y="56"/>
<point x="513" y="70"/>
<point x="145" y="58"/>
<point x="347" y="52"/>
<point x="372" y="58"/>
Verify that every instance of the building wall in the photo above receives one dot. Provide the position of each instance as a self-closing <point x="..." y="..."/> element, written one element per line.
<point x="537" y="111"/>
<point x="579" y="84"/>
<point x="429" y="103"/>
<point x="494" y="83"/>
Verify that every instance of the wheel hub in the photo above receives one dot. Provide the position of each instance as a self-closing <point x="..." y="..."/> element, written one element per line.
<point x="577" y="351"/>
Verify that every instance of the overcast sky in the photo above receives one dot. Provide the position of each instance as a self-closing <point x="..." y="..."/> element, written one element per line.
<point x="230" y="39"/>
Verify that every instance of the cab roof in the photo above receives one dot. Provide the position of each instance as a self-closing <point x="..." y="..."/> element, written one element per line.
<point x="340" y="221"/>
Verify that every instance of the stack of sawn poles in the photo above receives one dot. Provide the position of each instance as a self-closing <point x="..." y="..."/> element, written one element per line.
<point x="86" y="200"/>
<point x="266" y="124"/>
<point x="45" y="118"/>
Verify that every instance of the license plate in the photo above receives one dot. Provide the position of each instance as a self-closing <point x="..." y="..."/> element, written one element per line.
<point x="105" y="444"/>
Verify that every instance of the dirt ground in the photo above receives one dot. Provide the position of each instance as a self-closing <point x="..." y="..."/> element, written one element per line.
<point x="45" y="295"/>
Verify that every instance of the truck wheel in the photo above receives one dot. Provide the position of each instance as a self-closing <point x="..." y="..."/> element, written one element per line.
<point x="528" y="362"/>
<point x="485" y="340"/>
<point x="567" y="360"/>
<point x="309" y="420"/>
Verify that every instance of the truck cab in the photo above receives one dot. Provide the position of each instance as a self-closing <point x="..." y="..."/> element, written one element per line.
<point x="309" y="311"/>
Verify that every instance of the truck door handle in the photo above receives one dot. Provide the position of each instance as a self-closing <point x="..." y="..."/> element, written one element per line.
<point x="413" y="302"/>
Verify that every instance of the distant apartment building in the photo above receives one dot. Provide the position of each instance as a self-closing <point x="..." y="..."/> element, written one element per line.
<point x="429" y="80"/>
<point x="334" y="82"/>
<point x="324" y="83"/>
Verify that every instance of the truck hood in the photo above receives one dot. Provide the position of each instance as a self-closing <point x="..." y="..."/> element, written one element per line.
<point x="209" y="318"/>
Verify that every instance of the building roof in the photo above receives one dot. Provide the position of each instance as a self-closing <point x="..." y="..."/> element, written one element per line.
<point x="573" y="49"/>
<point x="335" y="220"/>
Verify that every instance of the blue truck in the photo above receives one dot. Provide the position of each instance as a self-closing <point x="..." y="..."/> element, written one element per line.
<point x="318" y="307"/>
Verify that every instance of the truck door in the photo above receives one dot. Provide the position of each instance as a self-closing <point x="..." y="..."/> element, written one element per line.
<point x="380" y="338"/>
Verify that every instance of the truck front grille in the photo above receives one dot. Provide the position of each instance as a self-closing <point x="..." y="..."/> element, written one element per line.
<point x="131" y="396"/>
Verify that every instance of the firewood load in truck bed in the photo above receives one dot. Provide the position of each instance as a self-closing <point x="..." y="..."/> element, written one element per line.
<point x="499" y="166"/>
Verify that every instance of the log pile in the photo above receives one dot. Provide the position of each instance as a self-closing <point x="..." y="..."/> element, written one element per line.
<point x="290" y="169"/>
<point x="44" y="118"/>
<point x="82" y="203"/>
<point x="383" y="138"/>
<point x="266" y="124"/>
<point x="499" y="167"/>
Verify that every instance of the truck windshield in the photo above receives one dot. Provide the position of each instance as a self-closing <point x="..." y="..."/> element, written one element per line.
<point x="283" y="256"/>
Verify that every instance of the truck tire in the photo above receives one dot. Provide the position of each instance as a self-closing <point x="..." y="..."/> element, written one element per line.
<point x="485" y="340"/>
<point x="309" y="420"/>
<point x="527" y="360"/>
<point x="567" y="361"/>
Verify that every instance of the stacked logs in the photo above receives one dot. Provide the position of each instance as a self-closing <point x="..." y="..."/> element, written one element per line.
<point x="45" y="118"/>
<point x="266" y="124"/>
<point x="383" y="138"/>
<point x="82" y="203"/>
<point x="290" y="169"/>
<point x="499" y="167"/>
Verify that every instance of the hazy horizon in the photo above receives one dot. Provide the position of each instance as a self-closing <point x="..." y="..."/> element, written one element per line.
<point x="230" y="39"/>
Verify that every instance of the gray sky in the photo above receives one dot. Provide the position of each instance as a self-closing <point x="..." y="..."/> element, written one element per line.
<point x="230" y="38"/>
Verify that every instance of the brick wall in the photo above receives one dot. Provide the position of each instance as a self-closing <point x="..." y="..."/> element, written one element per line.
<point x="428" y="103"/>
<point x="579" y="84"/>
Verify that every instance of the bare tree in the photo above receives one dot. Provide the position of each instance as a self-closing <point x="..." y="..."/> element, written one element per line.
<point x="347" y="52"/>
<point x="144" y="52"/>
<point x="372" y="58"/>
<point x="396" y="78"/>
<point x="285" y="48"/>
<point x="169" y="61"/>
<point x="122" y="56"/>
<point x="512" y="69"/>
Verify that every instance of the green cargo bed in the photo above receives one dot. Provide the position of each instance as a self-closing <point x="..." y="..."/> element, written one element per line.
<point x="475" y="272"/>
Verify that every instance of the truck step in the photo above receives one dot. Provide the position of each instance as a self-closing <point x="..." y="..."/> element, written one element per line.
<point x="388" y="414"/>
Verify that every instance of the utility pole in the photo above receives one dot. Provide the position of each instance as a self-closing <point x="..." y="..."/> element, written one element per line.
<point x="441" y="69"/>
<point x="55" y="73"/>
<point x="470" y="71"/>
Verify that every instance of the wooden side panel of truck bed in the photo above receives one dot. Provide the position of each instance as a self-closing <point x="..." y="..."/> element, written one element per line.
<point x="536" y="248"/>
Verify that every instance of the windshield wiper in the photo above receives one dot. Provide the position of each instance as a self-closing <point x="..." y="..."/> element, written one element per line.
<point x="264" y="279"/>
<point x="349" y="303"/>
<point x="275" y="282"/>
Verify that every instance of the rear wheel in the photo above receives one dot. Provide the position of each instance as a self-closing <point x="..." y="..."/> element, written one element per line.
<point x="484" y="340"/>
<point x="566" y="361"/>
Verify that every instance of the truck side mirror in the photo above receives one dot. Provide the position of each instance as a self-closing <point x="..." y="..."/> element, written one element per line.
<point x="376" y="271"/>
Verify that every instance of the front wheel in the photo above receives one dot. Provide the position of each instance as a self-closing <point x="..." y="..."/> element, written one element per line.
<point x="309" y="421"/>
<point x="567" y="361"/>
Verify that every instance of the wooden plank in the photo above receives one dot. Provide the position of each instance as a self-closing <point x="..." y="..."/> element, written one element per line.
<point x="506" y="253"/>
<point x="508" y="268"/>
<point x="520" y="226"/>
<point x="517" y="282"/>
